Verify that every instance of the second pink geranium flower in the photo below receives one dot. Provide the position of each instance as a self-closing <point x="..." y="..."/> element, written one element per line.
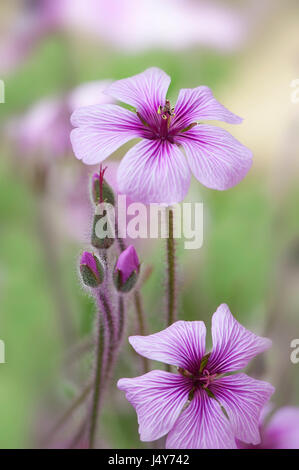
<point x="200" y="407"/>
<point x="155" y="170"/>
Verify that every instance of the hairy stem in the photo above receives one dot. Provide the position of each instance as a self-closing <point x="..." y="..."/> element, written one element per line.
<point x="137" y="303"/>
<point x="103" y="294"/>
<point x="110" y="326"/>
<point x="141" y="325"/>
<point x="103" y="359"/>
<point x="171" y="274"/>
<point x="121" y="318"/>
<point x="99" y="362"/>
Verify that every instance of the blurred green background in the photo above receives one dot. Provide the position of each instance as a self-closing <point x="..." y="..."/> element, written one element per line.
<point x="249" y="258"/>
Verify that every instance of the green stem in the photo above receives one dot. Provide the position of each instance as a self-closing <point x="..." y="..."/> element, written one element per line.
<point x="121" y="318"/>
<point x="137" y="303"/>
<point x="171" y="275"/>
<point x="141" y="325"/>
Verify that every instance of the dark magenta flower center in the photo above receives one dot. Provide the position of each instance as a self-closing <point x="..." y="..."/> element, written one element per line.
<point x="204" y="379"/>
<point x="162" y="124"/>
<point x="159" y="123"/>
<point x="201" y="379"/>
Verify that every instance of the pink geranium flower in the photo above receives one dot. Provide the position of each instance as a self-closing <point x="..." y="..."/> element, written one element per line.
<point x="43" y="130"/>
<point x="199" y="408"/>
<point x="155" y="170"/>
<point x="132" y="25"/>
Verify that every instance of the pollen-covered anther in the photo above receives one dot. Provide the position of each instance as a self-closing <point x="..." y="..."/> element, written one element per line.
<point x="167" y="113"/>
<point x="166" y="110"/>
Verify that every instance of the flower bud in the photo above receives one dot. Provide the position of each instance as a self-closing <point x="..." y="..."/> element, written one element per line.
<point x="126" y="270"/>
<point x="102" y="237"/>
<point x="91" y="270"/>
<point x="100" y="189"/>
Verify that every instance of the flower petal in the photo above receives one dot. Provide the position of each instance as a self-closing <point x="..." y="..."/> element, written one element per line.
<point x="282" y="431"/>
<point x="182" y="344"/>
<point x="145" y="91"/>
<point x="216" y="158"/>
<point x="101" y="129"/>
<point x="154" y="171"/>
<point x="197" y="104"/>
<point x="202" y="425"/>
<point x="158" y="398"/>
<point x="233" y="345"/>
<point x="243" y="399"/>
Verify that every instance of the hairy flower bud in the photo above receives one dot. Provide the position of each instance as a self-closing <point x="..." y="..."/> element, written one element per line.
<point x="103" y="227"/>
<point x="126" y="270"/>
<point x="101" y="191"/>
<point x="91" y="270"/>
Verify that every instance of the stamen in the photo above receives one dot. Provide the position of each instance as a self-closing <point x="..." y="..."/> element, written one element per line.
<point x="141" y="119"/>
<point x="166" y="110"/>
<point x="189" y="127"/>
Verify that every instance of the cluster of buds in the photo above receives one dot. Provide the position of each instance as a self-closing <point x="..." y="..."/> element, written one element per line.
<point x="126" y="270"/>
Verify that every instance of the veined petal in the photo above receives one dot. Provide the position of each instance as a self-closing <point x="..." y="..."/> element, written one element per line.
<point x="216" y="158"/>
<point x="243" y="399"/>
<point x="233" y="345"/>
<point x="182" y="344"/>
<point x="203" y="425"/>
<point x="158" y="398"/>
<point x="154" y="171"/>
<point x="145" y="91"/>
<point x="101" y="129"/>
<point x="197" y="104"/>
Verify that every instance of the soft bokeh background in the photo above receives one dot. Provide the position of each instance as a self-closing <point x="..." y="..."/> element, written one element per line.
<point x="248" y="53"/>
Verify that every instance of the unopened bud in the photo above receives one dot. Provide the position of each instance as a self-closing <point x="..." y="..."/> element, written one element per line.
<point x="103" y="227"/>
<point x="91" y="270"/>
<point x="100" y="189"/>
<point x="126" y="270"/>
